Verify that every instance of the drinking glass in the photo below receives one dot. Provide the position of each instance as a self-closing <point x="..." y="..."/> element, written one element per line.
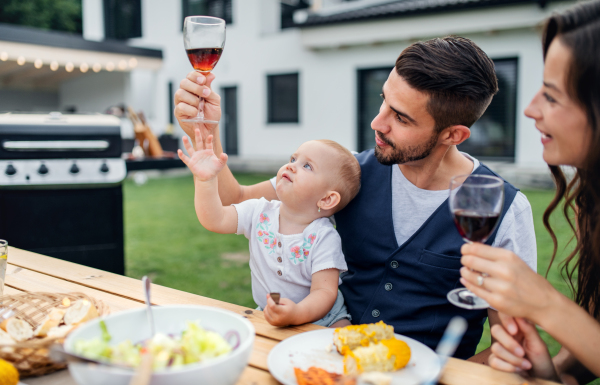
<point x="203" y="39"/>
<point x="3" y="261"/>
<point x="476" y="204"/>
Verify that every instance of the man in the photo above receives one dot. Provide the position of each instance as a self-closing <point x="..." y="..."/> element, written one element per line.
<point x="398" y="237"/>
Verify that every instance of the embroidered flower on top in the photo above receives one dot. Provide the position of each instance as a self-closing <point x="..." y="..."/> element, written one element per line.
<point x="266" y="237"/>
<point x="300" y="254"/>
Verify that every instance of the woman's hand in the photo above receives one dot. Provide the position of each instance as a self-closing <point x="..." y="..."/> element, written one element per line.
<point x="519" y="347"/>
<point x="187" y="99"/>
<point x="509" y="285"/>
<point x="282" y="314"/>
<point x="203" y="162"/>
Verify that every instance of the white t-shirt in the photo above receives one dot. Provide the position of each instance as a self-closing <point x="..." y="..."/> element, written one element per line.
<point x="285" y="263"/>
<point x="515" y="233"/>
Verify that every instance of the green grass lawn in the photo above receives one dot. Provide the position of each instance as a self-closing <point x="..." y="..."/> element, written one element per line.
<point x="164" y="240"/>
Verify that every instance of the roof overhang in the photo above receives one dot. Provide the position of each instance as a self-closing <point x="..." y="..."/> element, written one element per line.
<point x="402" y="28"/>
<point x="31" y="58"/>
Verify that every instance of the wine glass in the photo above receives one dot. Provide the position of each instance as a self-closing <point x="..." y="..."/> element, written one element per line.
<point x="203" y="39"/>
<point x="476" y="204"/>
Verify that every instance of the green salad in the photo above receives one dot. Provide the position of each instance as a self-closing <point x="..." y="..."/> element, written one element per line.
<point x="195" y="344"/>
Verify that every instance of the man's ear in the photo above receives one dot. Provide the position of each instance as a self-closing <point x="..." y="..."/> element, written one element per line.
<point x="455" y="135"/>
<point x="330" y="200"/>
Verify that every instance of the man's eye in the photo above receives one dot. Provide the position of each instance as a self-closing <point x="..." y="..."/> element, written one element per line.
<point x="382" y="97"/>
<point x="549" y="98"/>
<point x="308" y="166"/>
<point x="398" y="118"/>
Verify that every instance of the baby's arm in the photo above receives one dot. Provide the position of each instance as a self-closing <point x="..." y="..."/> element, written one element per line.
<point x="205" y="166"/>
<point x="323" y="293"/>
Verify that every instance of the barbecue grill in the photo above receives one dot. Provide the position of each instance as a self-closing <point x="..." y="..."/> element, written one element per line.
<point x="61" y="187"/>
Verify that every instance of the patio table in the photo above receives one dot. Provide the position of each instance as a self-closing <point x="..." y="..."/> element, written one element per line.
<point x="30" y="272"/>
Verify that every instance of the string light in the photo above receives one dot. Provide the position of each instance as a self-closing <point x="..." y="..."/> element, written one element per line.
<point x="133" y="62"/>
<point x="110" y="66"/>
<point x="69" y="67"/>
<point x="38" y="63"/>
<point x="97" y="67"/>
<point x="54" y="65"/>
<point x="20" y="60"/>
<point x="122" y="65"/>
<point x="3" y="56"/>
<point x="84" y="67"/>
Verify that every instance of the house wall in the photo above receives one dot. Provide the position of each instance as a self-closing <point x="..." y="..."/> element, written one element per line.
<point x="256" y="47"/>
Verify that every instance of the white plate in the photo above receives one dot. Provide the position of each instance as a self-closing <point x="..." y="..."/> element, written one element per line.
<point x="310" y="349"/>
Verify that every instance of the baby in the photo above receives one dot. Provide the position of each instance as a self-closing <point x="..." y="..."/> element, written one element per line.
<point x="294" y="248"/>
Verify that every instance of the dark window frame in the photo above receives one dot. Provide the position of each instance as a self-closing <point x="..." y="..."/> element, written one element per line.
<point x="114" y="16"/>
<point x="271" y="99"/>
<point x="511" y="121"/>
<point x="361" y="115"/>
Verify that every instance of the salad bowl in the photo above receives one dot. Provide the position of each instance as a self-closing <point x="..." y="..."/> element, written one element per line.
<point x="171" y="320"/>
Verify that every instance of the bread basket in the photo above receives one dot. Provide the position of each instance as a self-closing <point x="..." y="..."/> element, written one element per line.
<point x="31" y="357"/>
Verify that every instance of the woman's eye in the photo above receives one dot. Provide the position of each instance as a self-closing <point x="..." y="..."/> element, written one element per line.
<point x="308" y="166"/>
<point x="549" y="98"/>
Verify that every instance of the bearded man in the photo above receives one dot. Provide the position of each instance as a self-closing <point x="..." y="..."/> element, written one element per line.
<point x="398" y="236"/>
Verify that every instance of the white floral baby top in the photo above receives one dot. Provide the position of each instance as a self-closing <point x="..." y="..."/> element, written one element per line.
<point x="286" y="263"/>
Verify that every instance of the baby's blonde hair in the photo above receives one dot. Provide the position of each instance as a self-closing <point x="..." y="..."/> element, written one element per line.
<point x="348" y="182"/>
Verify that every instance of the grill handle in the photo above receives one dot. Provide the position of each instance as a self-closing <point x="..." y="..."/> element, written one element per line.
<point x="55" y="145"/>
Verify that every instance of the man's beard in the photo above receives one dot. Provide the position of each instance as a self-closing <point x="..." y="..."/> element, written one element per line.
<point x="404" y="155"/>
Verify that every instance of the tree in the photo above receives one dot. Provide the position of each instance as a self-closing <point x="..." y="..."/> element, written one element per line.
<point x="57" y="15"/>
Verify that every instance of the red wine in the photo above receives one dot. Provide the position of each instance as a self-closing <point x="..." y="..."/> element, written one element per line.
<point x="474" y="225"/>
<point x="204" y="59"/>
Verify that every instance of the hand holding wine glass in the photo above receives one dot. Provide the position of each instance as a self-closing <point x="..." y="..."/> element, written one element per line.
<point x="476" y="203"/>
<point x="204" y="39"/>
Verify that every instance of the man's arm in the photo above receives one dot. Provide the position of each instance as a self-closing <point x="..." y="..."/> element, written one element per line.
<point x="482" y="356"/>
<point x="186" y="106"/>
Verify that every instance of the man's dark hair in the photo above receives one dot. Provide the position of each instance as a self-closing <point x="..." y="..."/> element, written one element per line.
<point x="456" y="74"/>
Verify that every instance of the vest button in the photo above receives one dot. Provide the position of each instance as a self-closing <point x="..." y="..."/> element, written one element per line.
<point x="279" y="273"/>
<point x="279" y="259"/>
<point x="375" y="313"/>
<point x="279" y="244"/>
<point x="394" y="264"/>
<point x="388" y="286"/>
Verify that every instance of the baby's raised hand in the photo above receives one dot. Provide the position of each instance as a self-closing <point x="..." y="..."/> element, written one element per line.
<point x="203" y="162"/>
<point x="282" y="314"/>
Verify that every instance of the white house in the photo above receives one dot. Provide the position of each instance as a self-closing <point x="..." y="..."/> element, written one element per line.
<point x="290" y="72"/>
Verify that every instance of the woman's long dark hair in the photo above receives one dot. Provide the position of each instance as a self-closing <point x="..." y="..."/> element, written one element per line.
<point x="578" y="29"/>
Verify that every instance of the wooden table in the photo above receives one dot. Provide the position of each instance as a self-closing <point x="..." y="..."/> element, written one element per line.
<point x="34" y="272"/>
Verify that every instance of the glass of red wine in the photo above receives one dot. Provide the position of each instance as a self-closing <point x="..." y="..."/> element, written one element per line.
<point x="476" y="204"/>
<point x="204" y="39"/>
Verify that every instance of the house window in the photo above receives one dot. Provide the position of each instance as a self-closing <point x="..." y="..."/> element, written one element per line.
<point x="370" y="83"/>
<point x="282" y="98"/>
<point x="492" y="136"/>
<point x="216" y="8"/>
<point x="122" y="19"/>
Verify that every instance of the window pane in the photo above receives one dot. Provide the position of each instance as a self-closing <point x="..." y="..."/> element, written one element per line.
<point x="122" y="19"/>
<point x="283" y="98"/>
<point x="493" y="135"/>
<point x="370" y="83"/>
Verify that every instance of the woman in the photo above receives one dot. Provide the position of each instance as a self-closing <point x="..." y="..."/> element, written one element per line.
<point x="567" y="114"/>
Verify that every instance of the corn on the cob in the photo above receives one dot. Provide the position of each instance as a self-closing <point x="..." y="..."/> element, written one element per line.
<point x="384" y="356"/>
<point x="351" y="337"/>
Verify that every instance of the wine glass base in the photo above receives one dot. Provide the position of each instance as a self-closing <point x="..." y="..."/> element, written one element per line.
<point x="200" y="120"/>
<point x="462" y="297"/>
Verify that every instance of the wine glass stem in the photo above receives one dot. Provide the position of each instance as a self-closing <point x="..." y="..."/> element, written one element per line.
<point x="201" y="109"/>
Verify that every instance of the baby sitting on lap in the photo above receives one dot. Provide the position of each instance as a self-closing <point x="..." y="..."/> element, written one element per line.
<point x="294" y="249"/>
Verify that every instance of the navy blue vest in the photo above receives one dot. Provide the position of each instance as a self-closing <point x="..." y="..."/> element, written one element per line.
<point x="404" y="286"/>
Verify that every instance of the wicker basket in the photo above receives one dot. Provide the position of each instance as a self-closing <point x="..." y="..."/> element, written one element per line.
<point x="31" y="357"/>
